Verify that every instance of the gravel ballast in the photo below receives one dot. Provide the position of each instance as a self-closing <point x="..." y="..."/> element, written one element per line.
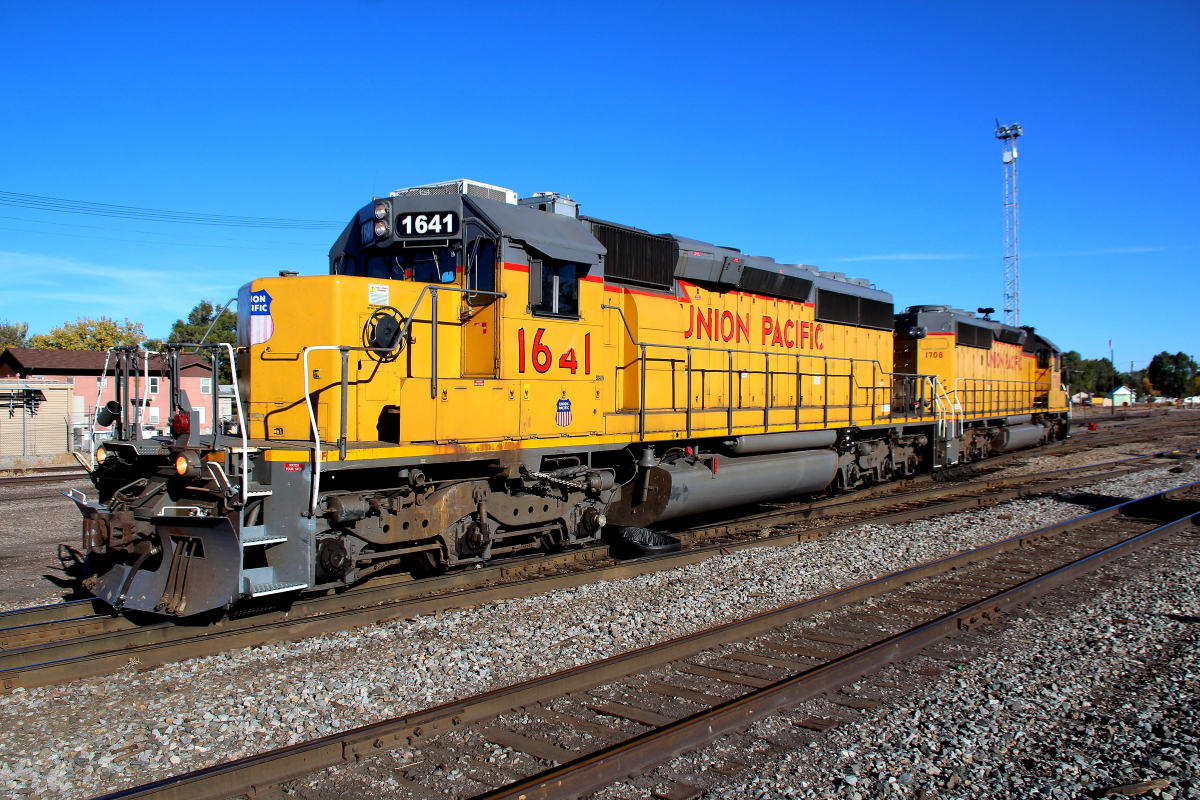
<point x="107" y="733"/>
<point x="1096" y="688"/>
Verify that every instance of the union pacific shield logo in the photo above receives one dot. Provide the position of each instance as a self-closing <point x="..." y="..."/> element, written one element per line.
<point x="261" y="323"/>
<point x="563" y="413"/>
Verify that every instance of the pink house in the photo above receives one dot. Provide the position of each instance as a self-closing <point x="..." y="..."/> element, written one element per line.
<point x="84" y="368"/>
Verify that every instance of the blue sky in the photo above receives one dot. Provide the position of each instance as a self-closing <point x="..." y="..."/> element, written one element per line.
<point x="854" y="136"/>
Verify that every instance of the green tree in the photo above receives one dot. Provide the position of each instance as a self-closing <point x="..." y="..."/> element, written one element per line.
<point x="1091" y="375"/>
<point x="13" y="334"/>
<point x="90" y="334"/>
<point x="224" y="329"/>
<point x="1173" y="375"/>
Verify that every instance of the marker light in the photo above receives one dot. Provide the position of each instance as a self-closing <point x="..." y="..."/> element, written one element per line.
<point x="381" y="229"/>
<point x="381" y="210"/>
<point x="101" y="454"/>
<point x="187" y="464"/>
<point x="181" y="424"/>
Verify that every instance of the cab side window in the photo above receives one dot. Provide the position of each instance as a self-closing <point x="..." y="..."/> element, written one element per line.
<point x="554" y="287"/>
<point x="481" y="264"/>
<point x="1043" y="358"/>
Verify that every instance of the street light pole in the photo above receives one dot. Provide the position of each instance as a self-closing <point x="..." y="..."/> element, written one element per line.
<point x="1112" y="360"/>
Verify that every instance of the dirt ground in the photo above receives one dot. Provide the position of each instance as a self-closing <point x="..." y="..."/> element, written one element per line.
<point x="34" y="521"/>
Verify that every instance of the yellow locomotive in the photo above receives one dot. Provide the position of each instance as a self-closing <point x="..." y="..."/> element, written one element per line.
<point x="479" y="375"/>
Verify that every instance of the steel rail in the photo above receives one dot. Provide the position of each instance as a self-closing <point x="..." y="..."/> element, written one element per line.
<point x="58" y="475"/>
<point x="53" y="662"/>
<point x="255" y="773"/>
<point x="608" y="765"/>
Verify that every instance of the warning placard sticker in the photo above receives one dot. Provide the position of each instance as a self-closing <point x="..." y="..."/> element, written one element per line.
<point x="377" y="294"/>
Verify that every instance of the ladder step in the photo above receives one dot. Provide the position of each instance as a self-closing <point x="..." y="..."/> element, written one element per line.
<point x="263" y="540"/>
<point x="264" y="589"/>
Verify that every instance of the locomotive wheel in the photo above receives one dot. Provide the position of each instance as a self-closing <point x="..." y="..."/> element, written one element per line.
<point x="886" y="470"/>
<point x="552" y="542"/>
<point x="430" y="562"/>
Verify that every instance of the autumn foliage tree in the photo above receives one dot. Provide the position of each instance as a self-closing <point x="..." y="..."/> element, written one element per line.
<point x="86" y="333"/>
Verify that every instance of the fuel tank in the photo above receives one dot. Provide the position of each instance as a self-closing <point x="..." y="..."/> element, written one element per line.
<point x="693" y="486"/>
<point x="1017" y="436"/>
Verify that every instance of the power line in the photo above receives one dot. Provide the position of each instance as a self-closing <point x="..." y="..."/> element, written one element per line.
<point x="148" y="233"/>
<point x="159" y="215"/>
<point x="162" y="244"/>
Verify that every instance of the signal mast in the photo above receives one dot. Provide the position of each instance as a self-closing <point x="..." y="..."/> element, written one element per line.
<point x="1007" y="134"/>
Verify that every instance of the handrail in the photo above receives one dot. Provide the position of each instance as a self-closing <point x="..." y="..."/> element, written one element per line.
<point x="99" y="394"/>
<point x="237" y="401"/>
<point x="1032" y="387"/>
<point x="345" y="350"/>
<point x="220" y="313"/>
<point x="176" y="349"/>
<point x="433" y="290"/>
<point x="312" y="414"/>
<point x="853" y="377"/>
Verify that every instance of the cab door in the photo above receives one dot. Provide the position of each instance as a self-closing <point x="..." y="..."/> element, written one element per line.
<point x="479" y="312"/>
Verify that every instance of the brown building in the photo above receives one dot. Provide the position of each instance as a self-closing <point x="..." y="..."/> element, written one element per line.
<point x="84" y="370"/>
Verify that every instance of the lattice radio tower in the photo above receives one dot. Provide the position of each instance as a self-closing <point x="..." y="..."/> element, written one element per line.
<point x="1008" y="138"/>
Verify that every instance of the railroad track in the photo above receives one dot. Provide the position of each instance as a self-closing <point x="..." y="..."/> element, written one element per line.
<point x="1158" y="425"/>
<point x="45" y="475"/>
<point x="67" y="646"/>
<point x="577" y="731"/>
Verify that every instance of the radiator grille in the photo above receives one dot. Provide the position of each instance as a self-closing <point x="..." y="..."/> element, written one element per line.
<point x="485" y="192"/>
<point x="421" y="191"/>
<point x="849" y="309"/>
<point x="777" y="284"/>
<point x="876" y="314"/>
<point x="1009" y="337"/>
<point x="636" y="256"/>
<point x="974" y="336"/>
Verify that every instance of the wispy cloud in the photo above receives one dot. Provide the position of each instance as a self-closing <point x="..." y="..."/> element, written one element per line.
<point x="909" y="257"/>
<point x="46" y="290"/>
<point x="1101" y="251"/>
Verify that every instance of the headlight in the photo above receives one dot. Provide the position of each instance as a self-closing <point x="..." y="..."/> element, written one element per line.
<point x="381" y="211"/>
<point x="101" y="454"/>
<point x="187" y="464"/>
<point x="381" y="229"/>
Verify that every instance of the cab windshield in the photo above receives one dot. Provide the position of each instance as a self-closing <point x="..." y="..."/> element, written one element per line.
<point x="426" y="266"/>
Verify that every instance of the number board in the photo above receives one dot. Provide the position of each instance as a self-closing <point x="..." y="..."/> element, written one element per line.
<point x="426" y="223"/>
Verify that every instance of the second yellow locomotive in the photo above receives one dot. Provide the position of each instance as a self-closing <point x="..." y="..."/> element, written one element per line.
<point x="478" y="375"/>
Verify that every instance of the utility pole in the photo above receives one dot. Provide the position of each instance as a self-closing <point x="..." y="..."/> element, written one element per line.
<point x="1007" y="134"/>
<point x="1112" y="359"/>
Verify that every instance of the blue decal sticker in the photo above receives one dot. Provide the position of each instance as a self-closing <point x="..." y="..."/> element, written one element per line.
<point x="563" y="415"/>
<point x="261" y="323"/>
